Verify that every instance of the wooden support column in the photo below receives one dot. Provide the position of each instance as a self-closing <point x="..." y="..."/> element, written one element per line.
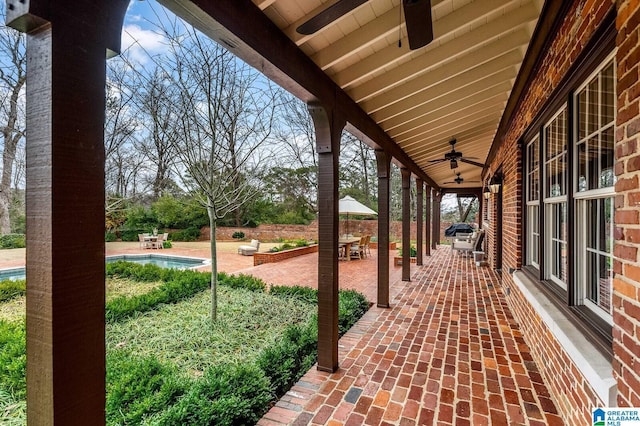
<point x="435" y="235"/>
<point x="428" y="220"/>
<point x="383" y="161"/>
<point x="328" y="132"/>
<point x="419" y="214"/>
<point x="406" y="224"/>
<point x="66" y="47"/>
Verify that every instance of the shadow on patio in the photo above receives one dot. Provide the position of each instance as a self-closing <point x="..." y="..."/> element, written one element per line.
<point x="448" y="351"/>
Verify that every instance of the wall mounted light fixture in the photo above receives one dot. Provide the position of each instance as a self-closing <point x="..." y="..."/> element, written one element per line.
<point x="494" y="184"/>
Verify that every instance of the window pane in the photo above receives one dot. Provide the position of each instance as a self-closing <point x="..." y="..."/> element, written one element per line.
<point x="556" y="149"/>
<point x="582" y="166"/>
<point x="558" y="258"/>
<point x="592" y="106"/>
<point x="591" y="231"/>
<point x="582" y="114"/>
<point x="608" y="96"/>
<point x="596" y="257"/>
<point x="606" y="158"/>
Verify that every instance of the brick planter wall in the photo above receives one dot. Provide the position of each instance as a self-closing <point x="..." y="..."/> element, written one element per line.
<point x="374" y="245"/>
<point x="261" y="258"/>
<point x="574" y="396"/>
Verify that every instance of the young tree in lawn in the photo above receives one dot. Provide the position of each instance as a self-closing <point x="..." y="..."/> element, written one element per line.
<point x="227" y="112"/>
<point x="13" y="76"/>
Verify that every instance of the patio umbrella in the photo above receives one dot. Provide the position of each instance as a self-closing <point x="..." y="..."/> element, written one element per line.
<point x="349" y="205"/>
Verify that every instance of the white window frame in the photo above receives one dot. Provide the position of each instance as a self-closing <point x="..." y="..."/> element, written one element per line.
<point x="531" y="250"/>
<point x="550" y="202"/>
<point x="582" y="197"/>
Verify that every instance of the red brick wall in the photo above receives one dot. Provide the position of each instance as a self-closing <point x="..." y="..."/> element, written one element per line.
<point x="307" y="232"/>
<point x="573" y="394"/>
<point x="626" y="285"/>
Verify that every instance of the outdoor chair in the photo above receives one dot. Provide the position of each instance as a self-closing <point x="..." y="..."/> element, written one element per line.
<point x="466" y="245"/>
<point x="158" y="243"/>
<point x="249" y="250"/>
<point x="357" y="249"/>
<point x="143" y="244"/>
<point x="366" y="247"/>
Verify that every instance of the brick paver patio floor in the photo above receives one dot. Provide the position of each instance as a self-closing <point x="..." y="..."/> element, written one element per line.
<point x="447" y="352"/>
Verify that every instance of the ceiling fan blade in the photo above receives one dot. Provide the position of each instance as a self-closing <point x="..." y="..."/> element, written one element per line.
<point x="438" y="161"/>
<point x="417" y="15"/>
<point x="474" y="163"/>
<point x="328" y="15"/>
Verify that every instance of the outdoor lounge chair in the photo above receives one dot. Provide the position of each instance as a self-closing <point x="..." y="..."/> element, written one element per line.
<point x="468" y="244"/>
<point x="250" y="249"/>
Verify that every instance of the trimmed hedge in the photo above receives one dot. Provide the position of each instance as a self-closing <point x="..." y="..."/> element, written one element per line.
<point x="139" y="387"/>
<point x="12" y="288"/>
<point x="143" y="389"/>
<point x="305" y="294"/>
<point x="225" y="395"/>
<point x="351" y="304"/>
<point x="177" y="285"/>
<point x="288" y="359"/>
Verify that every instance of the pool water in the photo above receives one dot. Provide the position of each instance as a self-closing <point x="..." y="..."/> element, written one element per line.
<point x="176" y="262"/>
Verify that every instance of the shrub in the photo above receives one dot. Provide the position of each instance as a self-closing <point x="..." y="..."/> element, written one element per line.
<point x="242" y="281"/>
<point x="13" y="358"/>
<point x="238" y="235"/>
<point x="189" y="234"/>
<point x="225" y="395"/>
<point x="177" y="286"/>
<point x="413" y="252"/>
<point x="177" y="213"/>
<point x="130" y="235"/>
<point x="12" y="288"/>
<point x="11" y="241"/>
<point x="290" y="244"/>
<point x="166" y="244"/>
<point x="139" y="387"/>
<point x="110" y="237"/>
<point x="351" y="306"/>
<point x="285" y="361"/>
<point x="304" y="294"/>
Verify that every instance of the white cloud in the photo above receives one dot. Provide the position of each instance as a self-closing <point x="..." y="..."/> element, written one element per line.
<point x="141" y="43"/>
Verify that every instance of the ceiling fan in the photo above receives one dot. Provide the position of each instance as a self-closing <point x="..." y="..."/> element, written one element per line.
<point x="459" y="179"/>
<point x="454" y="156"/>
<point x="417" y="15"/>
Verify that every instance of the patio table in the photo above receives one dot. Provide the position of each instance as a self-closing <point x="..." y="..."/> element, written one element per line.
<point x="346" y="243"/>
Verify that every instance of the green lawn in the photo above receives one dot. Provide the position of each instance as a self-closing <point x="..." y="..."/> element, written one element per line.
<point x="168" y="364"/>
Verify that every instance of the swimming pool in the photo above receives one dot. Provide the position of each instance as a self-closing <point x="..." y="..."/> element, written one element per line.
<point x="163" y="261"/>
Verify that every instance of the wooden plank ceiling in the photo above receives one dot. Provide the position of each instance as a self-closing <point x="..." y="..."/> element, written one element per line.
<point x="455" y="87"/>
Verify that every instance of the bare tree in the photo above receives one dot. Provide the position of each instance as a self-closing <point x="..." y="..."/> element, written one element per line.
<point x="13" y="77"/>
<point x="227" y="114"/>
<point x="357" y="166"/>
<point x="157" y="100"/>
<point x="120" y="130"/>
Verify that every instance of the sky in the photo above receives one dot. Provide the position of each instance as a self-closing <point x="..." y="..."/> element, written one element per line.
<point x="140" y="36"/>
